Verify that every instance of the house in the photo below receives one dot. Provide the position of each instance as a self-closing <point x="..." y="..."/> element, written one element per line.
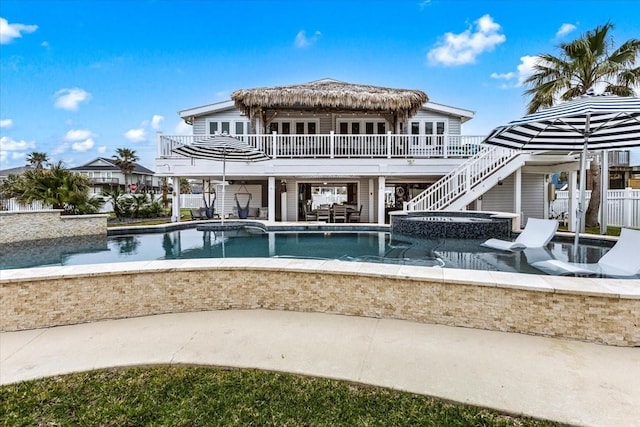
<point x="380" y="148"/>
<point x="105" y="175"/>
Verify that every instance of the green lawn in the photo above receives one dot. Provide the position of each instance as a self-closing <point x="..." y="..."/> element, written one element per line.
<point x="198" y="396"/>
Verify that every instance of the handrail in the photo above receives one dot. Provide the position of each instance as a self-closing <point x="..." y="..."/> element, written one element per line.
<point x="462" y="179"/>
<point x="333" y="145"/>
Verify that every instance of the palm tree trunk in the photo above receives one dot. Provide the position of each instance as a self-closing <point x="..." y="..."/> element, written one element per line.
<point x="591" y="216"/>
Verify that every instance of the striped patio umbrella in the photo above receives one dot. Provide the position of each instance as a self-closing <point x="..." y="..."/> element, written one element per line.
<point x="586" y="123"/>
<point x="225" y="148"/>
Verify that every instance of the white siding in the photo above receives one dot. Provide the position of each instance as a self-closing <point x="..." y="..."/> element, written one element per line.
<point x="500" y="197"/>
<point x="232" y="116"/>
<point x="532" y="196"/>
<point x="453" y="126"/>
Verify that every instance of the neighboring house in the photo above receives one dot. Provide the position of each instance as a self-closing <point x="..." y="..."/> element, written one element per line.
<point x="380" y="148"/>
<point x="105" y="175"/>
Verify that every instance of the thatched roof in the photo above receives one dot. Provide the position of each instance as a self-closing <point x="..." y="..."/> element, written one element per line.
<point x="330" y="95"/>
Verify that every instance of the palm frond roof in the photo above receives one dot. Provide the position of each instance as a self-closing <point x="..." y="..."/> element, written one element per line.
<point x="330" y="94"/>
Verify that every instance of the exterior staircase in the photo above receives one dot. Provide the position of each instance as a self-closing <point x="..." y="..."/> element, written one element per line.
<point x="469" y="181"/>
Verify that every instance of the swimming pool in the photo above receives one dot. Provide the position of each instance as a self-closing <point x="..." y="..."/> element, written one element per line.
<point x="378" y="247"/>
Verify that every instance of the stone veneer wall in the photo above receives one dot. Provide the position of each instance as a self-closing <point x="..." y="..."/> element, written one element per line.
<point x="49" y="224"/>
<point x="111" y="292"/>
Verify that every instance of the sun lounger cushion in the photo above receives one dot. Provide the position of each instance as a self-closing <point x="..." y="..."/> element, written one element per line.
<point x="537" y="233"/>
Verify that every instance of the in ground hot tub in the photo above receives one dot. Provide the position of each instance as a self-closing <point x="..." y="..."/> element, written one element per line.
<point x="457" y="225"/>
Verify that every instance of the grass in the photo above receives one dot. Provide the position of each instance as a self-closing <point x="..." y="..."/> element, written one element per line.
<point x="611" y="231"/>
<point x="197" y="396"/>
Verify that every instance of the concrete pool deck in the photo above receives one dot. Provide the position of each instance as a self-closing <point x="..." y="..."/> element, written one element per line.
<point x="562" y="380"/>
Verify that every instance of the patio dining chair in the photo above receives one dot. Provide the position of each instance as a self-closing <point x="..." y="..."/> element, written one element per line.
<point x="323" y="214"/>
<point x="310" y="215"/>
<point x="339" y="213"/>
<point x="355" y="215"/>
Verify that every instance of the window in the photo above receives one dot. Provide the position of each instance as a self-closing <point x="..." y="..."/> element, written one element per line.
<point x="344" y="128"/>
<point x="286" y="128"/>
<point x="213" y="127"/>
<point x="239" y="128"/>
<point x="368" y="128"/>
<point x="311" y="128"/>
<point x="299" y="128"/>
<point x="355" y="128"/>
<point x="428" y="128"/>
<point x="225" y="127"/>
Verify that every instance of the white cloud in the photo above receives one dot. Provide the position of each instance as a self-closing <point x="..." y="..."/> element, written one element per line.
<point x="155" y="121"/>
<point x="9" y="144"/>
<point x="62" y="148"/>
<point x="503" y="76"/>
<point x="6" y="123"/>
<point x="183" y="128"/>
<point x="517" y="78"/>
<point x="70" y="99"/>
<point x="424" y="3"/>
<point x="8" y="32"/>
<point x="83" y="146"/>
<point x="463" y="48"/>
<point x="44" y="44"/>
<point x="526" y="68"/>
<point x="136" y="135"/>
<point x="565" y="29"/>
<point x="77" y="135"/>
<point x="303" y="41"/>
<point x="102" y="149"/>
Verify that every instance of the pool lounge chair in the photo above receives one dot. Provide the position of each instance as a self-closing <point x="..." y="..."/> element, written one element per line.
<point x="537" y="233"/>
<point x="622" y="260"/>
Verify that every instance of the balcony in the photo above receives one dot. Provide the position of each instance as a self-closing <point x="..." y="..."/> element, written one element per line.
<point x="104" y="181"/>
<point x="618" y="159"/>
<point x="332" y="145"/>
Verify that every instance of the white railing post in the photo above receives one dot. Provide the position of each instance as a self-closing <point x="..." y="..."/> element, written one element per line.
<point x="332" y="143"/>
<point x="388" y="144"/>
<point x="274" y="144"/>
<point x="159" y="144"/>
<point x="445" y="146"/>
<point x="627" y="211"/>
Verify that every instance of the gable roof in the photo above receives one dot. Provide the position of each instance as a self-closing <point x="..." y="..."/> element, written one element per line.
<point x="330" y="94"/>
<point x="106" y="164"/>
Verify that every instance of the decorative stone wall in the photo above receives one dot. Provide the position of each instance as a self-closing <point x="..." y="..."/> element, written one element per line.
<point x="76" y="294"/>
<point x="49" y="224"/>
<point x="457" y="225"/>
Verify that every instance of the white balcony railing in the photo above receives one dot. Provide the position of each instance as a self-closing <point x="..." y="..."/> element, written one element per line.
<point x="334" y="145"/>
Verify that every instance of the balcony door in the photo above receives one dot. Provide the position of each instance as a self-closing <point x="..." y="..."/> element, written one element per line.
<point x="427" y="137"/>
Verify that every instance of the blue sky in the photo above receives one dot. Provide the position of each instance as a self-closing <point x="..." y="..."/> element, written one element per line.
<point x="79" y="79"/>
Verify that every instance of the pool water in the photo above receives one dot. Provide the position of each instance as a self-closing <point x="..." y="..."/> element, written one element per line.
<point x="379" y="247"/>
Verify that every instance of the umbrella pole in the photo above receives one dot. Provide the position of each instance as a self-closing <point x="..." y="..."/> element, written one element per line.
<point x="583" y="189"/>
<point x="224" y="190"/>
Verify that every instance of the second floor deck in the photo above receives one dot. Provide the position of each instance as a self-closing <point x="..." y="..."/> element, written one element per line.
<point x="332" y="145"/>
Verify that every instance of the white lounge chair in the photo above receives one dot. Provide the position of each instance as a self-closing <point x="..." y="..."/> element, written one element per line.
<point x="622" y="260"/>
<point x="537" y="233"/>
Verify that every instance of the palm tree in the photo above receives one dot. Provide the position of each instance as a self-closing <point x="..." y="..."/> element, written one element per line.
<point x="125" y="159"/>
<point x="37" y="160"/>
<point x="582" y="65"/>
<point x="58" y="187"/>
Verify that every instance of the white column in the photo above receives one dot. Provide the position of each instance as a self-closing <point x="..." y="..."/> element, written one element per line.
<point x="271" y="203"/>
<point x="517" y="196"/>
<point x="571" y="202"/>
<point x="283" y="206"/>
<point x="627" y="215"/>
<point x="175" y="200"/>
<point x="372" y="200"/>
<point x="381" y="187"/>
